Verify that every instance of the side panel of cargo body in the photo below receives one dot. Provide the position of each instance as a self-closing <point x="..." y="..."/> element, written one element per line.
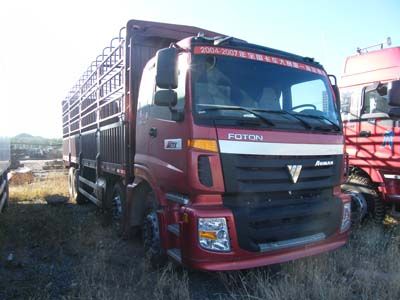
<point x="94" y="113"/>
<point x="4" y="154"/>
<point x="4" y="165"/>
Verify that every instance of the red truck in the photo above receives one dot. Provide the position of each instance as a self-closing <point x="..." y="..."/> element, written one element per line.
<point x="370" y="95"/>
<point x="227" y="155"/>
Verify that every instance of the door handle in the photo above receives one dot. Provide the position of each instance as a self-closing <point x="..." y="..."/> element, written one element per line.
<point x="153" y="132"/>
<point x="364" y="133"/>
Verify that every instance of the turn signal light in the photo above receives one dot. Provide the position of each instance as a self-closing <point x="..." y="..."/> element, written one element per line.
<point x="203" y="144"/>
<point x="211" y="235"/>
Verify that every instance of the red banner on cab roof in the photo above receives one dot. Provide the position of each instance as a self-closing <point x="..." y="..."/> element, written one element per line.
<point x="211" y="50"/>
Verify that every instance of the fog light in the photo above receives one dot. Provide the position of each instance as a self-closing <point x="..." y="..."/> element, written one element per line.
<point x="213" y="234"/>
<point x="346" y="219"/>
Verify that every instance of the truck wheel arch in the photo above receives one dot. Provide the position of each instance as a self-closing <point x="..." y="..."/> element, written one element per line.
<point x="143" y="175"/>
<point x="136" y="196"/>
<point x="371" y="173"/>
<point x="372" y="193"/>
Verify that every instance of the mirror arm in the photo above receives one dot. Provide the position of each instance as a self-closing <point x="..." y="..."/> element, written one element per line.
<point x="335" y="89"/>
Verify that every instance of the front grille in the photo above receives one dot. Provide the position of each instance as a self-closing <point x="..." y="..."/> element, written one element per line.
<point x="269" y="207"/>
<point x="273" y="217"/>
<point x="259" y="173"/>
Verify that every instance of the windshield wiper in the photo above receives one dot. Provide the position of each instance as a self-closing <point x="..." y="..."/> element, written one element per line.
<point x="305" y="123"/>
<point x="336" y="126"/>
<point x="223" y="107"/>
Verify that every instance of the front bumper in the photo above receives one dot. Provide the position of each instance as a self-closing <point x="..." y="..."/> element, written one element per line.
<point x="198" y="258"/>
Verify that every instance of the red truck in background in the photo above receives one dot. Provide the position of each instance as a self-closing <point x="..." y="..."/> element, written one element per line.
<point x="370" y="96"/>
<point x="227" y="155"/>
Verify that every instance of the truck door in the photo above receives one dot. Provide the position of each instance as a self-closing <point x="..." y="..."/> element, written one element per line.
<point x="145" y="97"/>
<point x="168" y="132"/>
<point x="375" y="138"/>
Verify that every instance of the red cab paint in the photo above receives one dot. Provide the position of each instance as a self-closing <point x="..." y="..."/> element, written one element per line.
<point x="229" y="155"/>
<point x="372" y="132"/>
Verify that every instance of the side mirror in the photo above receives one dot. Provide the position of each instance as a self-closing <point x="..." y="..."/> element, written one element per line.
<point x="394" y="113"/>
<point x="167" y="68"/>
<point x="394" y="93"/>
<point x="165" y="98"/>
<point x="379" y="87"/>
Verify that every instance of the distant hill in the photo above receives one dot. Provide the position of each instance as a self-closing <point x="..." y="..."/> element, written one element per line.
<point x="25" y="138"/>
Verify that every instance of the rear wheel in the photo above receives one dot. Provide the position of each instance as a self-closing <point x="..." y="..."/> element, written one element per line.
<point x="115" y="205"/>
<point x="6" y="191"/>
<point x="375" y="207"/>
<point x="117" y="202"/>
<point x="74" y="194"/>
<point x="151" y="232"/>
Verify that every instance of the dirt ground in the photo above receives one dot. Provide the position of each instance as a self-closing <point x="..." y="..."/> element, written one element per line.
<point x="53" y="249"/>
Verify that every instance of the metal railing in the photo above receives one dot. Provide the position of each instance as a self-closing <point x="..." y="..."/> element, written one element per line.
<point x="98" y="96"/>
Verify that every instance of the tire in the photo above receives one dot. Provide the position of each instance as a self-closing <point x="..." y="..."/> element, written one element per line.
<point x="6" y="190"/>
<point x="117" y="202"/>
<point x="70" y="182"/>
<point x="115" y="205"/>
<point x="376" y="208"/>
<point x="151" y="233"/>
<point x="5" y="207"/>
<point x="74" y="194"/>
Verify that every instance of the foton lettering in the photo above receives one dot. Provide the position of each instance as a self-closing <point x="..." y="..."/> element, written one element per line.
<point x="245" y="137"/>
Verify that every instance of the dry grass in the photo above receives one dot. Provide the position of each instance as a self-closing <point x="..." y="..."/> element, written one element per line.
<point x="52" y="184"/>
<point x="367" y="268"/>
<point x="65" y="252"/>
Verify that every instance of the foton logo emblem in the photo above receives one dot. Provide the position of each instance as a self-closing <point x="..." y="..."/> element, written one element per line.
<point x="319" y="163"/>
<point x="294" y="171"/>
<point x="173" y="144"/>
<point x="245" y="137"/>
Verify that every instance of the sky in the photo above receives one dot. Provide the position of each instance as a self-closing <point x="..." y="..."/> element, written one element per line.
<point x="46" y="45"/>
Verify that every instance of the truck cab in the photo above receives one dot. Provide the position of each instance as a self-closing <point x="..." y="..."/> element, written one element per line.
<point x="370" y="103"/>
<point x="243" y="148"/>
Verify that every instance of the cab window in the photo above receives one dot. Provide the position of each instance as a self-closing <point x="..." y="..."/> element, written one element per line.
<point x="146" y="92"/>
<point x="311" y="93"/>
<point x="311" y="97"/>
<point x="375" y="104"/>
<point x="350" y="102"/>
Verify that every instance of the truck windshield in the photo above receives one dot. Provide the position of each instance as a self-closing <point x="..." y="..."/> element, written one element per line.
<point x="289" y="97"/>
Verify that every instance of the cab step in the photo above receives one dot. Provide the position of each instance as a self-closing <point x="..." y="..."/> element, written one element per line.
<point x="175" y="254"/>
<point x="174" y="228"/>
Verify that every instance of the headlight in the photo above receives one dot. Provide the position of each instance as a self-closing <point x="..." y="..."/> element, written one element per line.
<point x="213" y="234"/>
<point x="346" y="219"/>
